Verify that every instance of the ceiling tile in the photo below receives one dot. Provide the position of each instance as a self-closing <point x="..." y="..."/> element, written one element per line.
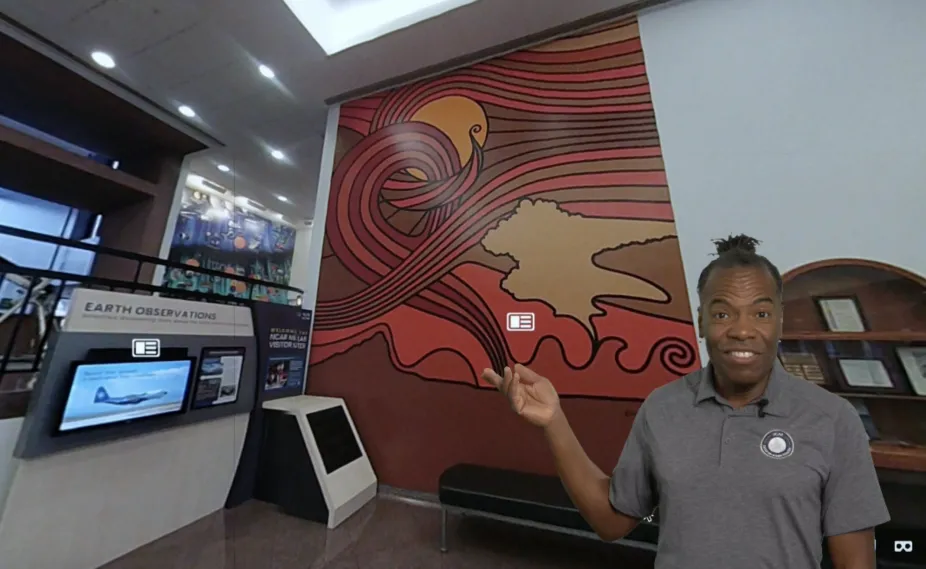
<point x="221" y="87"/>
<point x="268" y="32"/>
<point x="139" y="25"/>
<point x="54" y="11"/>
<point x="192" y="53"/>
<point x="253" y="113"/>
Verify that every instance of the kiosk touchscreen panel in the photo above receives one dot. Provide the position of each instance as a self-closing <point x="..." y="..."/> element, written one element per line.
<point x="334" y="437"/>
<point x="219" y="377"/>
<point x="106" y="393"/>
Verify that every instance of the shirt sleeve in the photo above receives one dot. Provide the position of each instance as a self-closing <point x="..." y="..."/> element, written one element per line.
<point x="631" y="482"/>
<point x="852" y="499"/>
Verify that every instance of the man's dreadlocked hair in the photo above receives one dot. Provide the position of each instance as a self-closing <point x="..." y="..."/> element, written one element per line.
<point x="738" y="251"/>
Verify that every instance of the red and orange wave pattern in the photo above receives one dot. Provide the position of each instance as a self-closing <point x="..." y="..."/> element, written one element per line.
<point x="425" y="172"/>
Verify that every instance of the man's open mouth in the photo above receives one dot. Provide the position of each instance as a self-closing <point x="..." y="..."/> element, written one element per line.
<point x="742" y="356"/>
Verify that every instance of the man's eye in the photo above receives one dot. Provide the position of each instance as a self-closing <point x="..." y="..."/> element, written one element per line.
<point x="763" y="314"/>
<point x="720" y="315"/>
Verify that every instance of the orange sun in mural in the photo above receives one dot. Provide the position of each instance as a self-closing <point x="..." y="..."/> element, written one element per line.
<point x="460" y="118"/>
<point x="527" y="190"/>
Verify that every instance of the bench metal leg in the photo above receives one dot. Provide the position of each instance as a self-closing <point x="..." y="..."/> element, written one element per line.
<point x="443" y="530"/>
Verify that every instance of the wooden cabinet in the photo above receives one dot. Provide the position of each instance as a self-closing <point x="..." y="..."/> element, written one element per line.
<point x="892" y="306"/>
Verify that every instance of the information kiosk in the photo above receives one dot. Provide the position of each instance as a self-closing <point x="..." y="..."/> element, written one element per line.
<point x="312" y="463"/>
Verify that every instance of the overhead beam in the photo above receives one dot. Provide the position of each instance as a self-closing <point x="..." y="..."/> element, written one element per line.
<point x="497" y="50"/>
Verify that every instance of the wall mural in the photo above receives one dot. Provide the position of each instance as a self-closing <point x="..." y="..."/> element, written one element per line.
<point x="215" y="234"/>
<point x="530" y="184"/>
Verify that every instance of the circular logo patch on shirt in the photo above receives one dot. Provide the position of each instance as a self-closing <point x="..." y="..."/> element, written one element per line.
<point x="777" y="444"/>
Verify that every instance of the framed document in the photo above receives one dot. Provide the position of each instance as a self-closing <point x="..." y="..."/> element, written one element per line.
<point x="867" y="421"/>
<point x="841" y="314"/>
<point x="866" y="374"/>
<point x="913" y="360"/>
<point x="803" y="365"/>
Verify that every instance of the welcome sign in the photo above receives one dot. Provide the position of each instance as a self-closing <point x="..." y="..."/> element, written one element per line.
<point x="283" y="343"/>
<point x="119" y="312"/>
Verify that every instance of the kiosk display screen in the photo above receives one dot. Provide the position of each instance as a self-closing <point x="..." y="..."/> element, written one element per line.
<point x="105" y="393"/>
<point x="334" y="437"/>
<point x="219" y="377"/>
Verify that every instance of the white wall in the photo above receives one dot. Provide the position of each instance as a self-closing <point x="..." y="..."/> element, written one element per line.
<point x="317" y="242"/>
<point x="84" y="508"/>
<point x="300" y="274"/>
<point x="9" y="433"/>
<point x="799" y="123"/>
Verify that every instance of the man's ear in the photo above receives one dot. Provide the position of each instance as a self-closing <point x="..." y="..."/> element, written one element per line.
<point x="700" y="326"/>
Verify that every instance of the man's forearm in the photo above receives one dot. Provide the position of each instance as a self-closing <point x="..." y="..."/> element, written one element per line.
<point x="854" y="550"/>
<point x="586" y="484"/>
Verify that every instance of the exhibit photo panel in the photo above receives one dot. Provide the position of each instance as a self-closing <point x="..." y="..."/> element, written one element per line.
<point x="125" y="364"/>
<point x="218" y="230"/>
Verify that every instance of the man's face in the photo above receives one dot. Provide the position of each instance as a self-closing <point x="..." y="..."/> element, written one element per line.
<point x="740" y="320"/>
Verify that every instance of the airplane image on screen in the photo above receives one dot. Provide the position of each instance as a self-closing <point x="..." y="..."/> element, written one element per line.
<point x="102" y="396"/>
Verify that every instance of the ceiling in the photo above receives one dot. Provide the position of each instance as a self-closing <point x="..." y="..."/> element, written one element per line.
<point x="205" y="54"/>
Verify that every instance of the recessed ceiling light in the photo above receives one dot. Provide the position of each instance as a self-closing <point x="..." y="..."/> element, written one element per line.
<point x="266" y="71"/>
<point x="283" y="199"/>
<point x="186" y="111"/>
<point x="223" y="168"/>
<point x="278" y="154"/>
<point x="103" y="59"/>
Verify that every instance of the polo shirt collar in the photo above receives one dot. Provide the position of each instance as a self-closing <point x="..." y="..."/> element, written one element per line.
<point x="775" y="397"/>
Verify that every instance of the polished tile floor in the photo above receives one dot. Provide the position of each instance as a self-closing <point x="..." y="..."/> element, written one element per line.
<point x="386" y="534"/>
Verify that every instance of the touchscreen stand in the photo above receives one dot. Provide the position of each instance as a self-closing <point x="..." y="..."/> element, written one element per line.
<point x="312" y="463"/>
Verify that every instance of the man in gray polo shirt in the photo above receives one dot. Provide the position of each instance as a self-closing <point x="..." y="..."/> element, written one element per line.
<point x="750" y="467"/>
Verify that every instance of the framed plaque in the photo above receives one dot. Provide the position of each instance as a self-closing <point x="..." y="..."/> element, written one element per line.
<point x="841" y="314"/>
<point x="913" y="360"/>
<point x="803" y="365"/>
<point x="866" y="374"/>
<point x="867" y="421"/>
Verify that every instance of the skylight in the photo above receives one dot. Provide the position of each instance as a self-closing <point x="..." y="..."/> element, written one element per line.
<point x="341" y="24"/>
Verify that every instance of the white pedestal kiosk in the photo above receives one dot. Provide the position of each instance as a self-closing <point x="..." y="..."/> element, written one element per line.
<point x="343" y="478"/>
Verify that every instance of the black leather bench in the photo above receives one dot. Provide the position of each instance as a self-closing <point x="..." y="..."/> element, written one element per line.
<point x="518" y="497"/>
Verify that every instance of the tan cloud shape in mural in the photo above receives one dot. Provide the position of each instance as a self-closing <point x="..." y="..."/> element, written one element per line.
<point x="554" y="251"/>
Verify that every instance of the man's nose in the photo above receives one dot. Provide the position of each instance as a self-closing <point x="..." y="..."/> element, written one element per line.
<point x="741" y="330"/>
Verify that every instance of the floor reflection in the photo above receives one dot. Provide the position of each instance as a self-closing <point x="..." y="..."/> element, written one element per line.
<point x="386" y="534"/>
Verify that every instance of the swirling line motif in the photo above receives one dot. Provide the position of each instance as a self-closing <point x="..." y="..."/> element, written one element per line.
<point x="458" y="200"/>
<point x="675" y="354"/>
